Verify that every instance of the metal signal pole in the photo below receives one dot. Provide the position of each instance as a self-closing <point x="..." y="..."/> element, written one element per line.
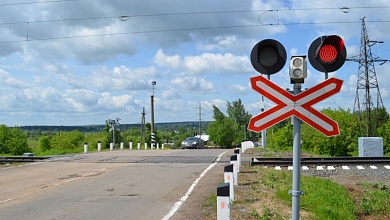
<point x="153" y="137"/>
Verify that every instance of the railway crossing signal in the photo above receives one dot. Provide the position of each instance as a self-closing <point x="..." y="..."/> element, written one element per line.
<point x="327" y="53"/>
<point x="268" y="56"/>
<point x="300" y="105"/>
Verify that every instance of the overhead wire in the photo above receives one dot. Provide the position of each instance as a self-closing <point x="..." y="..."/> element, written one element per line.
<point x="40" y="2"/>
<point x="125" y="17"/>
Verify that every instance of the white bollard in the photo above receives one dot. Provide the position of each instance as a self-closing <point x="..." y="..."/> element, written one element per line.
<point x="233" y="161"/>
<point x="111" y="146"/>
<point x="237" y="151"/>
<point x="223" y="202"/>
<point x="131" y="145"/>
<point x="162" y="146"/>
<point x="99" y="146"/>
<point x="158" y="145"/>
<point x="121" y="145"/>
<point x="139" y="146"/>
<point x="85" y="147"/>
<point x="146" y="146"/>
<point x="228" y="178"/>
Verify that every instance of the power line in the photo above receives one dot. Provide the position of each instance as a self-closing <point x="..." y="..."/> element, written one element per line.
<point x="175" y="13"/>
<point x="30" y="3"/>
<point x="181" y="29"/>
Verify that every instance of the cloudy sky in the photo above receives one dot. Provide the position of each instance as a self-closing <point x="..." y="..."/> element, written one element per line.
<point x="80" y="62"/>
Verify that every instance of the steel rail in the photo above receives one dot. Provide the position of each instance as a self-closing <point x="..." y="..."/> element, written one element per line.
<point x="18" y="159"/>
<point x="287" y="161"/>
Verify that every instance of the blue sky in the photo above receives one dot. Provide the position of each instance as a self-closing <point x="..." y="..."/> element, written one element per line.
<point x="80" y="62"/>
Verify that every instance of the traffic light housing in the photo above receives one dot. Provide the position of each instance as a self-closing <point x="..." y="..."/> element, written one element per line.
<point x="327" y="53"/>
<point x="268" y="56"/>
<point x="298" y="69"/>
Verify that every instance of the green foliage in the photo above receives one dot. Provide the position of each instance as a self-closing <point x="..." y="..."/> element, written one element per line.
<point x="13" y="141"/>
<point x="282" y="138"/>
<point x="324" y="198"/>
<point x="344" y="144"/>
<point x="376" y="199"/>
<point x="384" y="132"/>
<point x="44" y="143"/>
<point x="222" y="132"/>
<point x="228" y="130"/>
<point x="67" y="140"/>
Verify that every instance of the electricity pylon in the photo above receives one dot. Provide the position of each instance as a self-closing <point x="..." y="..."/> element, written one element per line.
<point x="365" y="107"/>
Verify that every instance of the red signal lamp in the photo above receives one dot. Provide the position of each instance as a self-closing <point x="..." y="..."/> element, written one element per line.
<point x="327" y="53"/>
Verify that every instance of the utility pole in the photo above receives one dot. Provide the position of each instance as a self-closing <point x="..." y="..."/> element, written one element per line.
<point x="200" y="120"/>
<point x="153" y="137"/>
<point x="142" y="125"/>
<point x="367" y="81"/>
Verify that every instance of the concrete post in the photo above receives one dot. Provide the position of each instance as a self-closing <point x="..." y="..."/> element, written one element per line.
<point x="99" y="146"/>
<point x="85" y="147"/>
<point x="228" y="178"/>
<point x="223" y="202"/>
<point x="237" y="151"/>
<point x="121" y="145"/>
<point x="233" y="161"/>
<point x="158" y="145"/>
<point x="146" y="146"/>
<point x="131" y="145"/>
<point x="111" y="146"/>
<point x="139" y="146"/>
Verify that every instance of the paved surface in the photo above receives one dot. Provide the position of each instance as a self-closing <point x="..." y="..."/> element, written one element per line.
<point x="110" y="185"/>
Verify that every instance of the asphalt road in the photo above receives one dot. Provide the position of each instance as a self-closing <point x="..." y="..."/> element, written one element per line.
<point x="108" y="185"/>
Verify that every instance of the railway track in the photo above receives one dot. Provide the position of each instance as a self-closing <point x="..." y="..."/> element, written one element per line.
<point x="20" y="159"/>
<point x="321" y="161"/>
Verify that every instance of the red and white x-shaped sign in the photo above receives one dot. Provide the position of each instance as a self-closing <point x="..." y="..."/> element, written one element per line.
<point x="299" y="105"/>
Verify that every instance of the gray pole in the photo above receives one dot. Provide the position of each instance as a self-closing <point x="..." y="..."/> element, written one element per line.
<point x="296" y="191"/>
<point x="152" y="124"/>
<point x="153" y="137"/>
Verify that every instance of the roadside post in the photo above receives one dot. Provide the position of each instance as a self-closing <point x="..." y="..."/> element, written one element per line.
<point x="139" y="146"/>
<point x="99" y="146"/>
<point x="233" y="161"/>
<point x="223" y="202"/>
<point x="131" y="145"/>
<point x="85" y="147"/>
<point x="111" y="146"/>
<point x="228" y="178"/>
<point x="121" y="145"/>
<point x="238" y="153"/>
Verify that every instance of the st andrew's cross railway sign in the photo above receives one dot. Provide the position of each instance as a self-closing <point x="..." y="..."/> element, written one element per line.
<point x="299" y="105"/>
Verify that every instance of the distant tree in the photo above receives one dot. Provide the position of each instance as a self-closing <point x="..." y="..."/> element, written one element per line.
<point x="344" y="144"/>
<point x="240" y="116"/>
<point x="384" y="132"/>
<point x="4" y="134"/>
<point x="222" y="130"/>
<point x="44" y="143"/>
<point x="17" y="142"/>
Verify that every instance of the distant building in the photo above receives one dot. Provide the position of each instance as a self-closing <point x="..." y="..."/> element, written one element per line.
<point x="204" y="137"/>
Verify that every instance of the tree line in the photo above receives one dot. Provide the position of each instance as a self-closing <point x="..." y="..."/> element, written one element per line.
<point x="227" y="130"/>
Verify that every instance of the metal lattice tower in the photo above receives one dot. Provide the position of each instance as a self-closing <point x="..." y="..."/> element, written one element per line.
<point x="367" y="108"/>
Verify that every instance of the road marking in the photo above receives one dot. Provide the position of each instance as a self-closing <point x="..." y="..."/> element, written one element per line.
<point x="374" y="167"/>
<point x="360" y="167"/>
<point x="346" y="168"/>
<point x="177" y="205"/>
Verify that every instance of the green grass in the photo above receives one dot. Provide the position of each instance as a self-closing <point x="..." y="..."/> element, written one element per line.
<point x="323" y="198"/>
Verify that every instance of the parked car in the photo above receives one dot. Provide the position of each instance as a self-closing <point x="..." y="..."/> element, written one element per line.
<point x="192" y="142"/>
